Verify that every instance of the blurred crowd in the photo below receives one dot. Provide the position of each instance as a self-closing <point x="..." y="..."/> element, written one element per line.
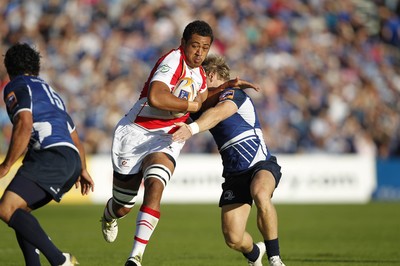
<point x="329" y="70"/>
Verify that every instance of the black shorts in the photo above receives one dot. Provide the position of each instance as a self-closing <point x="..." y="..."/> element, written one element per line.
<point x="236" y="188"/>
<point x="54" y="170"/>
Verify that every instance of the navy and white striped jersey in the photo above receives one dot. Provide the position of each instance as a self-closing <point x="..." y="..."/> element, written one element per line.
<point x="239" y="138"/>
<point x="51" y="123"/>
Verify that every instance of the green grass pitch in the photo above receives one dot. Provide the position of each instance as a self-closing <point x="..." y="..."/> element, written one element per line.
<point x="190" y="235"/>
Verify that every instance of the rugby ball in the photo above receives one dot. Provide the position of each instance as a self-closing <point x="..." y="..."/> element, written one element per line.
<point x="186" y="88"/>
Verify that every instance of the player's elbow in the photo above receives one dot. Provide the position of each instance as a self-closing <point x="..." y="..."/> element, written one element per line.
<point x="156" y="102"/>
<point x="152" y="102"/>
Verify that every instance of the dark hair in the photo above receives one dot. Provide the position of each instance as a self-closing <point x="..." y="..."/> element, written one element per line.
<point x="198" y="27"/>
<point x="22" y="59"/>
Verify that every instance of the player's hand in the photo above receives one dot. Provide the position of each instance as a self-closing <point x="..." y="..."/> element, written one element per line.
<point x="183" y="133"/>
<point x="86" y="182"/>
<point x="4" y="169"/>
<point x="242" y="84"/>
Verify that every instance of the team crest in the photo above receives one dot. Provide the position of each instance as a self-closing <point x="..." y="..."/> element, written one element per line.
<point x="227" y="95"/>
<point x="164" y="68"/>
<point x="228" y="195"/>
<point x="11" y="100"/>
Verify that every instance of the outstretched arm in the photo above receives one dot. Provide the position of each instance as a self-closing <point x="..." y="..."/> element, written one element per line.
<point x="20" y="137"/>
<point x="207" y="120"/>
<point x="213" y="93"/>
<point x="85" y="180"/>
<point x="241" y="84"/>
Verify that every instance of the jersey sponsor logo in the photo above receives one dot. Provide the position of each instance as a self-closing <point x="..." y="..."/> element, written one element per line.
<point x="164" y="68"/>
<point x="55" y="190"/>
<point x="226" y="95"/>
<point x="11" y="101"/>
<point x="228" y="195"/>
<point x="124" y="162"/>
<point x="184" y="95"/>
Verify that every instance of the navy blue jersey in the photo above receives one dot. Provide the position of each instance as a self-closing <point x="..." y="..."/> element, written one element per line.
<point x="51" y="123"/>
<point x="239" y="137"/>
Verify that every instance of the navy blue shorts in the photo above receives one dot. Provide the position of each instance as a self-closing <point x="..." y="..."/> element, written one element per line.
<point x="53" y="171"/>
<point x="236" y="188"/>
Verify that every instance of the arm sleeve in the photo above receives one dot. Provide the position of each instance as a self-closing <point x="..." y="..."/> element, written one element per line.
<point x="70" y="123"/>
<point x="236" y="96"/>
<point x="16" y="100"/>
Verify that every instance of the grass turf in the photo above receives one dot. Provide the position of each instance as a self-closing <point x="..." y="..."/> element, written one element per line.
<point x="190" y="235"/>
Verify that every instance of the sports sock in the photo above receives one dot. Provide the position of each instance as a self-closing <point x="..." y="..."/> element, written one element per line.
<point x="146" y="223"/>
<point x="253" y="254"/>
<point x="31" y="253"/>
<point x="28" y="228"/>
<point x="272" y="247"/>
<point x="109" y="214"/>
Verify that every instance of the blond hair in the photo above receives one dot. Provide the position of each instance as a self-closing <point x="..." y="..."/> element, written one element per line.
<point x="216" y="64"/>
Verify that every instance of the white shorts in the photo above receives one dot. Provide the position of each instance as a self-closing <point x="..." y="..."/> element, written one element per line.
<point x="132" y="143"/>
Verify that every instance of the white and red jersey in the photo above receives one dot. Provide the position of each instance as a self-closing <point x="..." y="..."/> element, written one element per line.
<point x="169" y="69"/>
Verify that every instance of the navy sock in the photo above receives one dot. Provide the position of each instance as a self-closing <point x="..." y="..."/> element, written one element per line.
<point x="253" y="255"/>
<point x="28" y="228"/>
<point x="272" y="247"/>
<point x="31" y="255"/>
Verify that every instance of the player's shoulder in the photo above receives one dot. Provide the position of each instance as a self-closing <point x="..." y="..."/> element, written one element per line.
<point x="169" y="62"/>
<point x="232" y="94"/>
<point x="172" y="55"/>
<point x="16" y="83"/>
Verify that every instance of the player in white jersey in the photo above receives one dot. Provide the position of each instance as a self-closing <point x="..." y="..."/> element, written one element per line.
<point x="142" y="145"/>
<point x="251" y="172"/>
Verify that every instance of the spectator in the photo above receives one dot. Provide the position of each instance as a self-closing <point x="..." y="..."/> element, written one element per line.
<point x="318" y="63"/>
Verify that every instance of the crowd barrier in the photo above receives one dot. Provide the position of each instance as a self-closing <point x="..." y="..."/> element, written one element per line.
<point x="313" y="178"/>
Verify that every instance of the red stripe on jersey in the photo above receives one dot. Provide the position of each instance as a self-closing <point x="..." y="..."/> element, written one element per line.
<point x="180" y="72"/>
<point x="152" y="123"/>
<point x="204" y="76"/>
<point x="150" y="211"/>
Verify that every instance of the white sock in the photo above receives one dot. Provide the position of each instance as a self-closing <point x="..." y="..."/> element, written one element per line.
<point x="146" y="223"/>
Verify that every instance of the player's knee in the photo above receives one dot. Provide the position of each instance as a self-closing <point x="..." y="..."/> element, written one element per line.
<point x="233" y="244"/>
<point x="6" y="213"/>
<point x="262" y="196"/>
<point x="122" y="211"/>
<point x="124" y="200"/>
<point x="264" y="205"/>
<point x="232" y="240"/>
<point x="158" y="172"/>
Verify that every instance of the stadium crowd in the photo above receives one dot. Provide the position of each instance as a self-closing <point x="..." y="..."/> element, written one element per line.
<point x="329" y="71"/>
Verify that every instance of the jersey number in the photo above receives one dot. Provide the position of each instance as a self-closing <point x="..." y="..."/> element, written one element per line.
<point x="53" y="96"/>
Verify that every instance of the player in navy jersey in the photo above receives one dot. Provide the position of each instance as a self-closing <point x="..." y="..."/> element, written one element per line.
<point x="54" y="159"/>
<point x="251" y="172"/>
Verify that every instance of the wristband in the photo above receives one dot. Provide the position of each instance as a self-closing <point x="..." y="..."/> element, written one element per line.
<point x="194" y="128"/>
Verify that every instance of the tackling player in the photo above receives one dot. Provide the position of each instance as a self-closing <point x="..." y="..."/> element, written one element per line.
<point x="251" y="172"/>
<point x="142" y="146"/>
<point x="54" y="161"/>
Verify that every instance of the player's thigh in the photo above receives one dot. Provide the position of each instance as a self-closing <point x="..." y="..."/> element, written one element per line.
<point x="262" y="185"/>
<point x="234" y="219"/>
<point x="159" y="158"/>
<point x="22" y="193"/>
